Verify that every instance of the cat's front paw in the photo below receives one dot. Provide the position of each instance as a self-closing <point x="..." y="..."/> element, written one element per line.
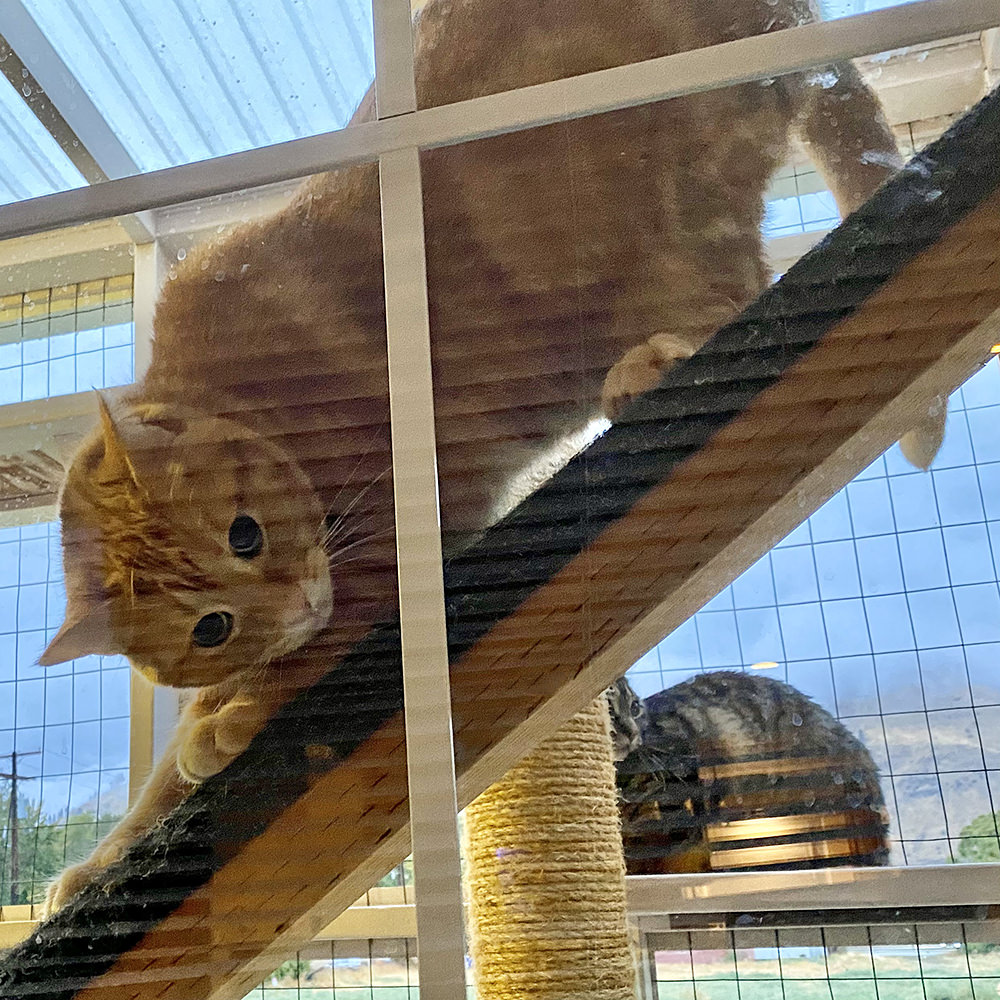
<point x="641" y="370"/>
<point x="216" y="740"/>
<point x="69" y="883"/>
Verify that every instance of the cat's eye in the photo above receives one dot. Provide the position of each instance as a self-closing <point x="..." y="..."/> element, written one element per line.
<point x="246" y="538"/>
<point x="213" y="629"/>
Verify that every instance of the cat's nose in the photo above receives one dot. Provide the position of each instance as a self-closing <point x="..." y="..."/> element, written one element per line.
<point x="317" y="597"/>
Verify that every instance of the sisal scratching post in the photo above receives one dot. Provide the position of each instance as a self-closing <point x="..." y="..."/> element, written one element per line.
<point x="545" y="874"/>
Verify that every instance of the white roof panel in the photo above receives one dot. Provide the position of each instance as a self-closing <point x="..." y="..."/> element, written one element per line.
<point x="31" y="162"/>
<point x="183" y="80"/>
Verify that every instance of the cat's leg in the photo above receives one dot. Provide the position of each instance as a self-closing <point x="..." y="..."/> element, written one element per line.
<point x="164" y="789"/>
<point x="844" y="130"/>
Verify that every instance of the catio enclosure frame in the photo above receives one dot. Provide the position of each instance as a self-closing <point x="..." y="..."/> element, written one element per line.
<point x="395" y="140"/>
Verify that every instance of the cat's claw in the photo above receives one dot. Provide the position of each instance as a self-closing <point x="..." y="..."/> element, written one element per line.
<point x="641" y="370"/>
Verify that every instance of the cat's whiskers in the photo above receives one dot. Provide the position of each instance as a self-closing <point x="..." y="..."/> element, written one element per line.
<point x="357" y="465"/>
<point x="331" y="532"/>
<point x="345" y="532"/>
<point x="344" y="562"/>
<point x="335" y="560"/>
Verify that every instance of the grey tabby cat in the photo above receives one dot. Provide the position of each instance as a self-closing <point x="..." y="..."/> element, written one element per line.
<point x="733" y="771"/>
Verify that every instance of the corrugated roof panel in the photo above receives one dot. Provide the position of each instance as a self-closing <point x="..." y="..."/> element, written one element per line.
<point x="31" y="162"/>
<point x="182" y="80"/>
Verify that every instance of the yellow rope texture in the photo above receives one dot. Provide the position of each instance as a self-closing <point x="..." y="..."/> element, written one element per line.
<point x="545" y="874"/>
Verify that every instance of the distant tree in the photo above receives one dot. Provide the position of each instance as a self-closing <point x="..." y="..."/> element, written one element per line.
<point x="46" y="845"/>
<point x="288" y="971"/>
<point x="978" y="840"/>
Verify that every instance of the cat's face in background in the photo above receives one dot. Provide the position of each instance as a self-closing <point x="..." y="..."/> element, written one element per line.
<point x="191" y="545"/>
<point x="628" y="718"/>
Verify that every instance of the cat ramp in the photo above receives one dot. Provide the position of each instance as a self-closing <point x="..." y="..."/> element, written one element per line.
<point x="699" y="478"/>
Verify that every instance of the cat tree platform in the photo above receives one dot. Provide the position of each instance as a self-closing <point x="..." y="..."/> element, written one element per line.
<point x="699" y="478"/>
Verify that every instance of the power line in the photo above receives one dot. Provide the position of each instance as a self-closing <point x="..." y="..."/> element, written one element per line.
<point x="13" y="777"/>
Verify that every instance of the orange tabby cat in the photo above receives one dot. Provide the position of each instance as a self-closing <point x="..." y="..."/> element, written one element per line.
<point x="199" y="517"/>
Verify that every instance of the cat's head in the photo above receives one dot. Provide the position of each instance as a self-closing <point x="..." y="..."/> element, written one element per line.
<point x="191" y="545"/>
<point x="628" y="718"/>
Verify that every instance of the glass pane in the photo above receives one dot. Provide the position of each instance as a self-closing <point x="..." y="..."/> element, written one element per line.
<point x="31" y="162"/>
<point x="850" y="639"/>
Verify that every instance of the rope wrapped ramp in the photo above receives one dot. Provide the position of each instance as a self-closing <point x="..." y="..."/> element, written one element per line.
<point x="738" y="445"/>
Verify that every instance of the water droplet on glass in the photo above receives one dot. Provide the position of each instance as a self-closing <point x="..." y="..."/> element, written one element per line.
<point x="24" y="73"/>
<point x="220" y="275"/>
<point x="825" y="79"/>
<point x="26" y="90"/>
<point x="182" y="253"/>
<point x="796" y="719"/>
<point x="172" y="273"/>
<point x="838" y="778"/>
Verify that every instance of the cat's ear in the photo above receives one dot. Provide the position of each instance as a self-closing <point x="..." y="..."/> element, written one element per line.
<point x="84" y="633"/>
<point x="115" y="464"/>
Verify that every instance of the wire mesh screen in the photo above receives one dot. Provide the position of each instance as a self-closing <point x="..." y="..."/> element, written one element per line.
<point x="345" y="970"/>
<point x="64" y="730"/>
<point x="884" y="608"/>
<point x="959" y="961"/>
<point x="66" y="339"/>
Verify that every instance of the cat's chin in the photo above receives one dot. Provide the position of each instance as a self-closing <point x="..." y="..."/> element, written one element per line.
<point x="297" y="635"/>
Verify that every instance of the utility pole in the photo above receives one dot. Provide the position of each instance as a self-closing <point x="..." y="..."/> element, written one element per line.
<point x="13" y="777"/>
